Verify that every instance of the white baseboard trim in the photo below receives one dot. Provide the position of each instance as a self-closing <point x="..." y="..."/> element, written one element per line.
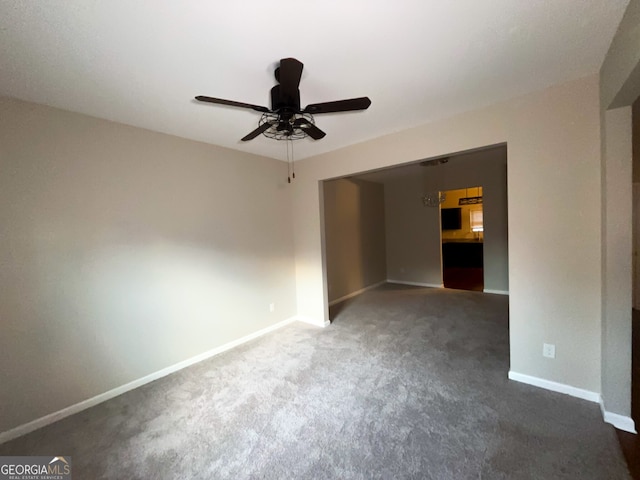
<point x="416" y="284"/>
<point x="103" y="397"/>
<point x="621" y="422"/>
<point x="496" y="292"/>
<point x="357" y="292"/>
<point x="555" y="386"/>
<point x="311" y="321"/>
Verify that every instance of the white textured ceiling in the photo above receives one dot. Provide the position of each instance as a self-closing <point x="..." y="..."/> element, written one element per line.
<point x="141" y="62"/>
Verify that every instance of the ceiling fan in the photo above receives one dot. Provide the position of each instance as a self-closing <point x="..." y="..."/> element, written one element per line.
<point x="286" y="120"/>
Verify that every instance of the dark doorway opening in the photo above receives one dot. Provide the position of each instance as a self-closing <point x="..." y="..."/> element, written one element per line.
<point x="461" y="221"/>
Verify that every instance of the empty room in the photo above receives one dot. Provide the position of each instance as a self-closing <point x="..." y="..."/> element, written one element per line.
<point x="228" y="234"/>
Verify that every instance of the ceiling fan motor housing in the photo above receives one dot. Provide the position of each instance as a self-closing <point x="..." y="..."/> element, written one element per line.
<point x="284" y="102"/>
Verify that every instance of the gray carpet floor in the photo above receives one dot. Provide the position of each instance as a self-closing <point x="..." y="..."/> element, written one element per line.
<point x="405" y="383"/>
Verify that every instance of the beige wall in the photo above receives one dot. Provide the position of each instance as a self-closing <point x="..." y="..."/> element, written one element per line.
<point x="124" y="251"/>
<point x="354" y="235"/>
<point x="635" y="139"/>
<point x="413" y="230"/>
<point x="617" y="262"/>
<point x="413" y="234"/>
<point x="553" y="140"/>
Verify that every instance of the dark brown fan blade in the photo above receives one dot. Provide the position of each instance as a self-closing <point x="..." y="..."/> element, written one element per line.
<point x="309" y="128"/>
<point x="289" y="74"/>
<point x="361" y="103"/>
<point x="261" y="129"/>
<point x="231" y="103"/>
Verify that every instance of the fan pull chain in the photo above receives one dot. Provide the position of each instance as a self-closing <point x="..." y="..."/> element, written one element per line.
<point x="291" y="174"/>
<point x="288" y="163"/>
<point x="293" y="165"/>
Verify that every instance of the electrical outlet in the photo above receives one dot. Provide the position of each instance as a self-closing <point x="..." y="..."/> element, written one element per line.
<point x="548" y="350"/>
<point x="272" y="307"/>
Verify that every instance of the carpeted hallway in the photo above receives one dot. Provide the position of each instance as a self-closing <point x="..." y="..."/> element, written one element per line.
<point x="406" y="383"/>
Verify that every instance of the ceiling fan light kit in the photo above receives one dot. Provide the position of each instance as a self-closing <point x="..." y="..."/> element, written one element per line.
<point x="286" y="120"/>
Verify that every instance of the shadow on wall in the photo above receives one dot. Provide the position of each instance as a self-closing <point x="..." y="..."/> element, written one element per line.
<point x="355" y="245"/>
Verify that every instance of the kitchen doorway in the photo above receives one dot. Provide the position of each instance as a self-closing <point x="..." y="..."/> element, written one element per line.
<point x="462" y="238"/>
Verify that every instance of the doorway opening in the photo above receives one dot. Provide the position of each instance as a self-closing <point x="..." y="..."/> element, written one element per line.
<point x="462" y="238"/>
